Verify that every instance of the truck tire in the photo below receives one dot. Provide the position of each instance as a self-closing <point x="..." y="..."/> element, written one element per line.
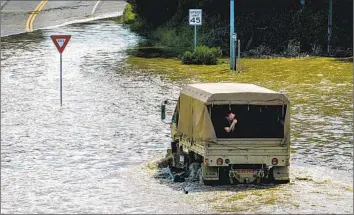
<point x="189" y="158"/>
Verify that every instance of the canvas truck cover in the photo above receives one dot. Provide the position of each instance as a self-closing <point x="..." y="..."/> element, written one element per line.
<point x="194" y="121"/>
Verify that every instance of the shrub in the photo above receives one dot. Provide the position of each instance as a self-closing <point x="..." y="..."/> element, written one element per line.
<point x="177" y="38"/>
<point x="293" y="49"/>
<point x="187" y="58"/>
<point x="202" y="55"/>
<point x="128" y="15"/>
<point x="259" y="51"/>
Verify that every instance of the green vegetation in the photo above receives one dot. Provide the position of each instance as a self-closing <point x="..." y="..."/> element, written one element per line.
<point x="128" y="15"/>
<point x="350" y="189"/>
<point x="241" y="200"/>
<point x="310" y="81"/>
<point x="319" y="89"/>
<point x="151" y="166"/>
<point x="270" y="201"/>
<point x="304" y="178"/>
<point x="179" y="39"/>
<point x="202" y="55"/>
<point x="267" y="27"/>
<point x="292" y="151"/>
<point x="231" y="209"/>
<point x="238" y="196"/>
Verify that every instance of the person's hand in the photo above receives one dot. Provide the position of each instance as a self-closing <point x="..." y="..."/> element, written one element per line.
<point x="227" y="129"/>
<point x="232" y="127"/>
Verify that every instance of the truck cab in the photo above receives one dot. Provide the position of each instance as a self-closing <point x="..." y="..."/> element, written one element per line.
<point x="254" y="150"/>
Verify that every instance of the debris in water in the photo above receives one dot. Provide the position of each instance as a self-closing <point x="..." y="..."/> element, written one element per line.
<point x="349" y="189"/>
<point x="194" y="172"/>
<point x="304" y="178"/>
<point x="165" y="162"/>
<point x="184" y="190"/>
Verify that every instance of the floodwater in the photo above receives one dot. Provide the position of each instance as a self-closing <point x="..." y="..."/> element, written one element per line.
<point x="91" y="155"/>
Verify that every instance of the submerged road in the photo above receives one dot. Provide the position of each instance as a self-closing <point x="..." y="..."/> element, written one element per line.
<point x="91" y="155"/>
<point x="27" y="16"/>
<point x="85" y="156"/>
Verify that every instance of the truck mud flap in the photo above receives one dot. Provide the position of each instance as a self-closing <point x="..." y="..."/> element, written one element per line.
<point x="281" y="173"/>
<point x="210" y="173"/>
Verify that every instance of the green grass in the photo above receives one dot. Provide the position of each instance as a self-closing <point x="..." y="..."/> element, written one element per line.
<point x="316" y="82"/>
<point x="319" y="89"/>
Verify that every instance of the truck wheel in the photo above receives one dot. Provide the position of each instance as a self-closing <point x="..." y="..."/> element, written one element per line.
<point x="190" y="158"/>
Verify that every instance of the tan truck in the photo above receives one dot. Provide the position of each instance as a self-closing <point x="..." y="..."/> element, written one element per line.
<point x="239" y="133"/>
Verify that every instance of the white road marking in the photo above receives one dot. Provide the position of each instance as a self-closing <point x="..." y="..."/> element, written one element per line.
<point x="95" y="8"/>
<point x="3" y="4"/>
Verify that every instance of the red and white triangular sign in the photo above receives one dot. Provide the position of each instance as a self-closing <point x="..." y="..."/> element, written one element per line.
<point x="60" y="41"/>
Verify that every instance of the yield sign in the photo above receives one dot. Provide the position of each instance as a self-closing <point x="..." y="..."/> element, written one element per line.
<point x="60" y="41"/>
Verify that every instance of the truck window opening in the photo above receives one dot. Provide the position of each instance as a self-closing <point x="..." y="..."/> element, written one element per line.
<point x="253" y="121"/>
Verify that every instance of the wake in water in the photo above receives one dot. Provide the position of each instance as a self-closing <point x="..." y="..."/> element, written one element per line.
<point x="311" y="190"/>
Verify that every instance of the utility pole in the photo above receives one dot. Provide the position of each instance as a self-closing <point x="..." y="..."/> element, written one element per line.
<point x="232" y="31"/>
<point x="329" y="27"/>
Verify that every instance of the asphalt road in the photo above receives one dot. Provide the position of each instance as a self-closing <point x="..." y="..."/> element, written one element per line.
<point x="15" y="15"/>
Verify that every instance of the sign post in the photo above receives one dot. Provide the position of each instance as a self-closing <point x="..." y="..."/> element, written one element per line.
<point x="195" y="37"/>
<point x="238" y="54"/>
<point x="195" y="18"/>
<point x="232" y="31"/>
<point x="60" y="41"/>
<point x="329" y="34"/>
<point x="234" y="41"/>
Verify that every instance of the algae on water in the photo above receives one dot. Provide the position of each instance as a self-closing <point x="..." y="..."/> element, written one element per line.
<point x="319" y="89"/>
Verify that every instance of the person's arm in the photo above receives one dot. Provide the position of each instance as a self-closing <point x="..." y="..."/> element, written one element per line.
<point x="227" y="129"/>
<point x="227" y="126"/>
<point x="233" y="124"/>
<point x="230" y="128"/>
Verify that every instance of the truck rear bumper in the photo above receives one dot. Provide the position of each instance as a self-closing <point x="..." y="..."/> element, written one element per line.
<point x="268" y="160"/>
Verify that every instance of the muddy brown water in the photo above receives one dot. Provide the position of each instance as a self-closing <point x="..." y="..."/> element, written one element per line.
<point x="91" y="154"/>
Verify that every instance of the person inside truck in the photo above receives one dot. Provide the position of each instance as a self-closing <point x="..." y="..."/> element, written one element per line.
<point x="230" y="122"/>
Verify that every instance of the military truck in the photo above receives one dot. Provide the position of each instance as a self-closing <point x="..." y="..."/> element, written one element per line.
<point x="255" y="150"/>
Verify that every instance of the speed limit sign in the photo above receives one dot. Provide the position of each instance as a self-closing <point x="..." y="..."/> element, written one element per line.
<point x="195" y="16"/>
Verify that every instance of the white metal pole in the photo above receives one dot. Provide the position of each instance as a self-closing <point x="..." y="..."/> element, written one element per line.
<point x="232" y="30"/>
<point x="329" y="27"/>
<point x="238" y="52"/>
<point x="195" y="37"/>
<point x="61" y="81"/>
